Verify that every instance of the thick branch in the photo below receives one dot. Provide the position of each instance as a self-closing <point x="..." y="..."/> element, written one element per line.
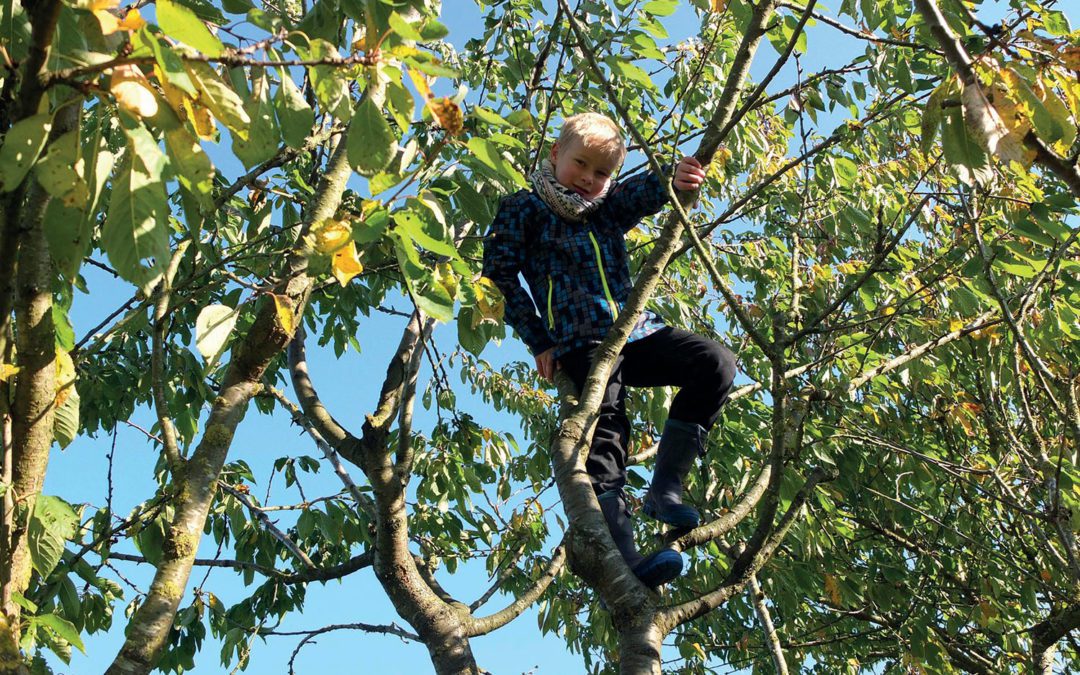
<point x="484" y="625"/>
<point x="149" y="628"/>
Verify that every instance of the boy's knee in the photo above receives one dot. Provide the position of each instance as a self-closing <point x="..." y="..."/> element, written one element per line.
<point x="722" y="365"/>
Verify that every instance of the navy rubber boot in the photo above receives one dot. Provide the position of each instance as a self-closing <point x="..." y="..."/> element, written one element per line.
<point x="653" y="570"/>
<point x="680" y="444"/>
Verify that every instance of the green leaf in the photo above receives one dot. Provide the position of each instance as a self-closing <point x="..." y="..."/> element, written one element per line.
<point x="631" y="72"/>
<point x="412" y="223"/>
<point x="489" y="116"/>
<point x="330" y="83"/>
<point x="429" y="296"/>
<point x="522" y="119"/>
<point x="52" y="523"/>
<point x="191" y="165"/>
<point x="295" y="116"/>
<point x="212" y="329"/>
<point x="173" y="67"/>
<point x="21" y="146"/>
<point x="1056" y="23"/>
<point x="63" y="628"/>
<point x="931" y="119"/>
<point x="65" y="333"/>
<point x="135" y="234"/>
<point x="400" y="103"/>
<point x="150" y="540"/>
<point x="661" y="7"/>
<point x="182" y="24"/>
<point x="489" y="154"/>
<point x="473" y="204"/>
<point x="263" y="135"/>
<point x="66" y="420"/>
<point x="371" y="141"/>
<point x="223" y="102"/>
<point x="962" y="151"/>
<point x="403" y="28"/>
<point x="846" y="171"/>
<point x="61" y="171"/>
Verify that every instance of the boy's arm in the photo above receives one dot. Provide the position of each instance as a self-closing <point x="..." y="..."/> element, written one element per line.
<point x="635" y="198"/>
<point x="645" y="194"/>
<point x="504" y="258"/>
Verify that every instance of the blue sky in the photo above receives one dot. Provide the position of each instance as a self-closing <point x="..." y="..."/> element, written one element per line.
<point x="349" y="387"/>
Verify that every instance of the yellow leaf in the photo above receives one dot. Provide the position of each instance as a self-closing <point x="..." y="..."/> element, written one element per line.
<point x="110" y="23"/>
<point x="132" y="21"/>
<point x="957" y="415"/>
<point x="331" y="235"/>
<point x="132" y="91"/>
<point x="697" y="646"/>
<point x="346" y="264"/>
<point x="419" y="81"/>
<point x="489" y="299"/>
<point x="719" y="5"/>
<point x="65" y="376"/>
<point x="445" y="277"/>
<point x="284" y="312"/>
<point x="447" y="114"/>
<point x="889" y="311"/>
<point x="832" y="589"/>
<point x="201" y="119"/>
<point x="8" y="371"/>
<point x="955" y="325"/>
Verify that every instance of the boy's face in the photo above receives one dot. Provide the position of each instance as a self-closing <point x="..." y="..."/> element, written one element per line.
<point x="585" y="170"/>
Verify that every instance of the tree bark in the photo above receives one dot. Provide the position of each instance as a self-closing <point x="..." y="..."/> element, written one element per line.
<point x="1044" y="637"/>
<point x="35" y="392"/>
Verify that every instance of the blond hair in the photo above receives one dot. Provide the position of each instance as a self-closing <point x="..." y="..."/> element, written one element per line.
<point x="595" y="131"/>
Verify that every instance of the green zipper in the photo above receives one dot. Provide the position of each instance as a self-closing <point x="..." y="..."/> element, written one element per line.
<point x="603" y="278"/>
<point x="551" y="316"/>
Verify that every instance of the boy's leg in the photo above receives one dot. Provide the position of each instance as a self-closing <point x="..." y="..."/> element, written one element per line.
<point x="606" y="463"/>
<point x="703" y="370"/>
<point x="606" y="466"/>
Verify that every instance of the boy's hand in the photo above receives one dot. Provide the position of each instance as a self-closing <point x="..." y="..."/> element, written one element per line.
<point x="546" y="364"/>
<point x="688" y="174"/>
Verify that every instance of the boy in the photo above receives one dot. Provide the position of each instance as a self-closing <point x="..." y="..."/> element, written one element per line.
<point x="566" y="237"/>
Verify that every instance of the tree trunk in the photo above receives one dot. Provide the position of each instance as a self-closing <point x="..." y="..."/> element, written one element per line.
<point x="439" y="624"/>
<point x="35" y="392"/>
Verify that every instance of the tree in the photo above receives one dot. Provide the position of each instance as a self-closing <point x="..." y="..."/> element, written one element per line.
<point x="904" y="310"/>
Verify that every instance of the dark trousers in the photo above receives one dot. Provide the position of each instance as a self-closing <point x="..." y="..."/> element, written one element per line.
<point x="702" y="368"/>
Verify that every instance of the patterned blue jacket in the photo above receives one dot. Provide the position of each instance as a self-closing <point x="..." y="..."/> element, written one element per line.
<point x="577" y="273"/>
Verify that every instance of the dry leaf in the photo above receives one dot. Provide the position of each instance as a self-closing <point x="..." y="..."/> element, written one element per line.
<point x="448" y="115"/>
<point x="132" y="91"/>
<point x="331" y="235"/>
<point x="346" y="264"/>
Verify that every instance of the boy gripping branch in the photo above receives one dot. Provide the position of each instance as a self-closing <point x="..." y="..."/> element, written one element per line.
<point x="566" y="236"/>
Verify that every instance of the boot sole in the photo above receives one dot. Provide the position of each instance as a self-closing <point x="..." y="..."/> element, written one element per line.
<point x="659" y="568"/>
<point x="686" y="517"/>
